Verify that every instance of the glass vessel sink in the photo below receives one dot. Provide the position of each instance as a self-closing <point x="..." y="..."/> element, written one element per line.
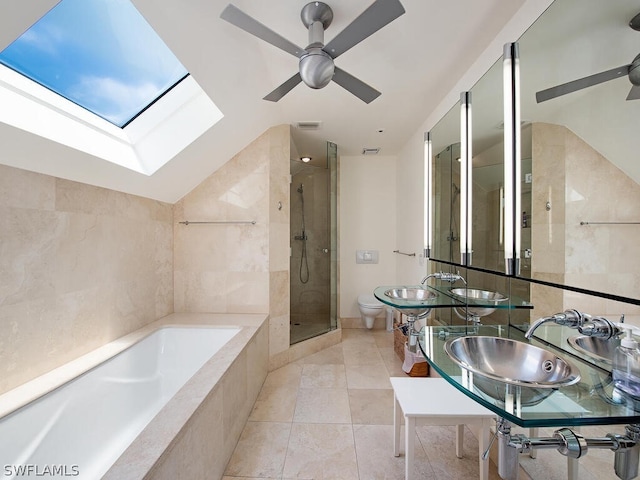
<point x="596" y="348"/>
<point x="479" y="302"/>
<point x="503" y="366"/>
<point x="410" y="294"/>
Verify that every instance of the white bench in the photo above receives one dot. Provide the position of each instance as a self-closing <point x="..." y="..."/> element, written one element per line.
<point x="436" y="402"/>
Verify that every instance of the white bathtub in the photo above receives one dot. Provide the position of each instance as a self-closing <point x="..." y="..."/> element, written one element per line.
<point x="81" y="428"/>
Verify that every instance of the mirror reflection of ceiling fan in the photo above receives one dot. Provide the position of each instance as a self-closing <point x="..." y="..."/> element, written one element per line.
<point x="316" y="65"/>
<point x="631" y="70"/>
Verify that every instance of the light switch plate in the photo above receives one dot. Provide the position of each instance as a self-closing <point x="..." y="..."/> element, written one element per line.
<point x="367" y="256"/>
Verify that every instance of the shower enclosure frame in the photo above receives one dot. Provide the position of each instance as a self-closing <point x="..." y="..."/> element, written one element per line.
<point x="314" y="245"/>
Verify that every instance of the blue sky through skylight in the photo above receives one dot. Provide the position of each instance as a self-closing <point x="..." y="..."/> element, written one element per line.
<point x="100" y="54"/>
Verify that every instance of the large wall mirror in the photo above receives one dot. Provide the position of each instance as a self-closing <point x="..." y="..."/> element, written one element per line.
<point x="580" y="182"/>
<point x="488" y="166"/>
<point x="583" y="176"/>
<point x="445" y="139"/>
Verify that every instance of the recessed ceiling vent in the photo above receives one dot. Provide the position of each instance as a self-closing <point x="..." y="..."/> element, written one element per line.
<point x="370" y="151"/>
<point x="309" y="125"/>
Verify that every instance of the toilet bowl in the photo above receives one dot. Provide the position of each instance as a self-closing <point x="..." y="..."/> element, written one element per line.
<point x="370" y="308"/>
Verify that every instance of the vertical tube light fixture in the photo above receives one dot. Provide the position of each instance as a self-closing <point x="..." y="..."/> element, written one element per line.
<point x="428" y="196"/>
<point x="512" y="163"/>
<point x="466" y="179"/>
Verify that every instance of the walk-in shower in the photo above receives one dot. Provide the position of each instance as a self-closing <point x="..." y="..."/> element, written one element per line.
<point x="313" y="262"/>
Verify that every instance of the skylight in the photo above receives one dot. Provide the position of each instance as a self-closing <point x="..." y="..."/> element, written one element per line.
<point x="94" y="75"/>
<point x="100" y="54"/>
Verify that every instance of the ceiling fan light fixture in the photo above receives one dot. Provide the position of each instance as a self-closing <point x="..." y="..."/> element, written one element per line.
<point x="316" y="68"/>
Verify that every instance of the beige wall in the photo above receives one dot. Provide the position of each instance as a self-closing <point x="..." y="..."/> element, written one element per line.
<point x="80" y="265"/>
<point x="367" y="211"/>
<point x="239" y="268"/>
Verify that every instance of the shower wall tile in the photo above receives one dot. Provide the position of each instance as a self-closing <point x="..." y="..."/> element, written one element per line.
<point x="81" y="266"/>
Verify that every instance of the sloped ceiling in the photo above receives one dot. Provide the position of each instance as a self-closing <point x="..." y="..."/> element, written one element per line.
<point x="414" y="62"/>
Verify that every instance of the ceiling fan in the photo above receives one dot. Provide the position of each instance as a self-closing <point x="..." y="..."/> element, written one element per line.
<point x="632" y="70"/>
<point x="316" y="65"/>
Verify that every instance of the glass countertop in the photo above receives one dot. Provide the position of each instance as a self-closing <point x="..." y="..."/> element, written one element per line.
<point x="591" y="401"/>
<point x="443" y="298"/>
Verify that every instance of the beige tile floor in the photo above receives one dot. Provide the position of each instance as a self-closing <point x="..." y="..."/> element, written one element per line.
<point x="330" y="416"/>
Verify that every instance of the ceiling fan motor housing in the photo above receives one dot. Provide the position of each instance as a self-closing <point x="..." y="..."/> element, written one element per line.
<point x="316" y="68"/>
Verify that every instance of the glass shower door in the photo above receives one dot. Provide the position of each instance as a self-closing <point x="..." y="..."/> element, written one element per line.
<point x="313" y="262"/>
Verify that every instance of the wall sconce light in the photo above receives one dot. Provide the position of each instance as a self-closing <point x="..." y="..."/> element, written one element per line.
<point x="466" y="179"/>
<point x="512" y="167"/>
<point x="428" y="199"/>
<point x="305" y="159"/>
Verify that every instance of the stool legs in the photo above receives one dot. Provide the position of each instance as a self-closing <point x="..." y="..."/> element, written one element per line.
<point x="397" y="420"/>
<point x="459" y="437"/>
<point x="409" y="446"/>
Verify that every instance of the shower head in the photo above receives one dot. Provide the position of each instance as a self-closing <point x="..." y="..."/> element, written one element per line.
<point x="300" y="188"/>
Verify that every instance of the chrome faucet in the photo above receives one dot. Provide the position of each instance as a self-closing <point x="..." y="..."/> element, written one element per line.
<point x="569" y="318"/>
<point x="599" y="327"/>
<point x="445" y="276"/>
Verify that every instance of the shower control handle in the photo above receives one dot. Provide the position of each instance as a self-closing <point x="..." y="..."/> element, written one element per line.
<point x="325" y="250"/>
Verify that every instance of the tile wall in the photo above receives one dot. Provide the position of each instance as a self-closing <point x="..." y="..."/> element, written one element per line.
<point x="80" y="266"/>
<point x="239" y="268"/>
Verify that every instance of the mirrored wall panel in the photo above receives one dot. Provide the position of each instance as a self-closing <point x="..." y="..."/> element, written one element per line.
<point x="488" y="166"/>
<point x="581" y="177"/>
<point x="445" y="138"/>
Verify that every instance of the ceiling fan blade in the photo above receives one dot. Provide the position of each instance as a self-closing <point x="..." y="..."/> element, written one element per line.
<point x="379" y="14"/>
<point x="283" y="89"/>
<point x="634" y="93"/>
<point x="237" y="17"/>
<point x="350" y="83"/>
<point x="553" y="92"/>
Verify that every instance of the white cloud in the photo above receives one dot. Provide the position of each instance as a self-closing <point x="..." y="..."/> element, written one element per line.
<point x="116" y="100"/>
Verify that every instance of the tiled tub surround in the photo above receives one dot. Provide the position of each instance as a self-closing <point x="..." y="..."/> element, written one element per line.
<point x="196" y="430"/>
<point x="80" y="266"/>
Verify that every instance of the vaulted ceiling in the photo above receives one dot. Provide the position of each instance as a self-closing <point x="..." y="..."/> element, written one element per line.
<point x="414" y="61"/>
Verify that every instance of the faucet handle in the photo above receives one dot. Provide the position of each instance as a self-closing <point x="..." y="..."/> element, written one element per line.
<point x="599" y="327"/>
<point x="571" y="318"/>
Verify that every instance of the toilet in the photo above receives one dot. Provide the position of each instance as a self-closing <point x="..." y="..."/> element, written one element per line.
<point x="370" y="308"/>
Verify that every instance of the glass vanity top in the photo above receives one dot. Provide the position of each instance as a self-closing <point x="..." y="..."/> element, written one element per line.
<point x="443" y="298"/>
<point x="591" y="401"/>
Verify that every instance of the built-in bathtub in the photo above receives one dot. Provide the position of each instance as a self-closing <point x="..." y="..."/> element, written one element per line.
<point x="128" y="414"/>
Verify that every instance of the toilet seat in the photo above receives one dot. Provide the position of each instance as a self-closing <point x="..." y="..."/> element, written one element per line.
<point x="368" y="300"/>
